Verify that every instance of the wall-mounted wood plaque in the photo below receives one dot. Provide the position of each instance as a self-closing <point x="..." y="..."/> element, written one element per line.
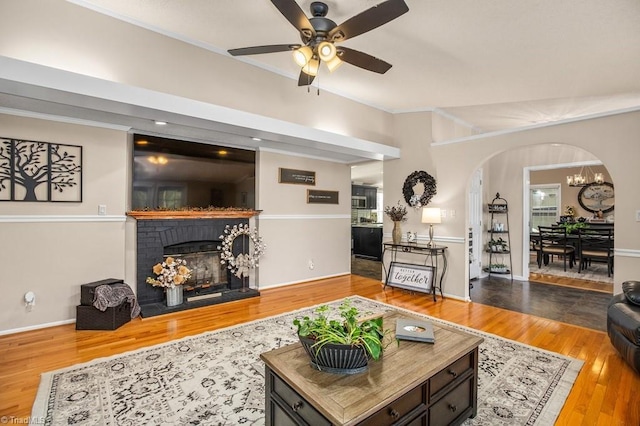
<point x="302" y="177"/>
<point x="322" y="197"/>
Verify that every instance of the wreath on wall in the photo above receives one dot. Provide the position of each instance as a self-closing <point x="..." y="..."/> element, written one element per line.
<point x="241" y="264"/>
<point x="419" y="200"/>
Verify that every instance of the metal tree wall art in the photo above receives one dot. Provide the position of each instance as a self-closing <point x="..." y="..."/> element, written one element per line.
<point x="40" y="171"/>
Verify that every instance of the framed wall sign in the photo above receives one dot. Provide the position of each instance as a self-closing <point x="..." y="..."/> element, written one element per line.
<point x="302" y="177"/>
<point x="411" y="277"/>
<point x="322" y="197"/>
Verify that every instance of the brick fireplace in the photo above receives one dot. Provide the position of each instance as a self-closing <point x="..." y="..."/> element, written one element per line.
<point x="195" y="237"/>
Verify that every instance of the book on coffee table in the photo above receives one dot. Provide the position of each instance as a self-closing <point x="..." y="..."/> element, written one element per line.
<point x="414" y="329"/>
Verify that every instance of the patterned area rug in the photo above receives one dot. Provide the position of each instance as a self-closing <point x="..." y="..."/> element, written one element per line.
<point x="595" y="272"/>
<point x="217" y="378"/>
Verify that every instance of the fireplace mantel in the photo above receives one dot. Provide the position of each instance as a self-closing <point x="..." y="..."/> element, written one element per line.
<point x="193" y="214"/>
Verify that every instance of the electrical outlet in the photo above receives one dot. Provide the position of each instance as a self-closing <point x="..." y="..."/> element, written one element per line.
<point x="102" y="209"/>
<point x="637" y="215"/>
<point x="311" y="265"/>
<point x="453" y="213"/>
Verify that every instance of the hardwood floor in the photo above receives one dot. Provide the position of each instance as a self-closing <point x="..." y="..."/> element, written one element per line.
<point x="605" y="392"/>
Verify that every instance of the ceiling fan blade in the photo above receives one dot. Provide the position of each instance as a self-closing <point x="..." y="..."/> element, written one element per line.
<point x="305" y="79"/>
<point x="363" y="60"/>
<point x="295" y="15"/>
<point x="369" y="19"/>
<point x="256" y="50"/>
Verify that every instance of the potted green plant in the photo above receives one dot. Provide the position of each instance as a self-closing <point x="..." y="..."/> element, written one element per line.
<point x="498" y="267"/>
<point x="573" y="227"/>
<point x="498" y="245"/>
<point x="341" y="345"/>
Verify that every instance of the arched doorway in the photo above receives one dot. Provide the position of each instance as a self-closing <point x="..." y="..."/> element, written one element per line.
<point x="512" y="172"/>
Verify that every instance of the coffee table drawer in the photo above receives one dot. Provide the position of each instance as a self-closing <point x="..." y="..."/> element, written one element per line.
<point x="296" y="404"/>
<point x="399" y="408"/>
<point x="451" y="373"/>
<point x="452" y="405"/>
<point x="279" y="416"/>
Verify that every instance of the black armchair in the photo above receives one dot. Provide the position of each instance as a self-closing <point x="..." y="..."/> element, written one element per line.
<point x="623" y="323"/>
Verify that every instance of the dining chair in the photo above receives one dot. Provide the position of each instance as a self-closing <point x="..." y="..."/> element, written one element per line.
<point x="595" y="244"/>
<point x="552" y="240"/>
<point x="534" y="246"/>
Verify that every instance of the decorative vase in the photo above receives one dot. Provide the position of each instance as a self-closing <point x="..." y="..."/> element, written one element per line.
<point x="174" y="296"/>
<point x="396" y="233"/>
<point x="337" y="359"/>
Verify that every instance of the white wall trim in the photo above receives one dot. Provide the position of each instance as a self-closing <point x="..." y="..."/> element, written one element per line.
<point x="535" y="126"/>
<point x="458" y="120"/>
<point x="60" y="218"/>
<point x="437" y="239"/>
<point x="36" y="327"/>
<point x="564" y="165"/>
<point x="442" y="239"/>
<point x="456" y="297"/>
<point x="303" y="216"/>
<point x="626" y="252"/>
<point x="61" y="119"/>
<point x="303" y="281"/>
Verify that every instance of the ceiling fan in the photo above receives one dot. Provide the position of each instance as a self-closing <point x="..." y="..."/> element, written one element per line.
<point x="320" y="34"/>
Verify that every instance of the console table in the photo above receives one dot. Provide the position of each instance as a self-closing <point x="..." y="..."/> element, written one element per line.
<point x="412" y="383"/>
<point x="430" y="254"/>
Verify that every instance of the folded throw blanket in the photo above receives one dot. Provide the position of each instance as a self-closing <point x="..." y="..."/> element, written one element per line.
<point x="110" y="296"/>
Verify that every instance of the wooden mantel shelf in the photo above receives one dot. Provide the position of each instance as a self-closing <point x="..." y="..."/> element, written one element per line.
<point x="193" y="214"/>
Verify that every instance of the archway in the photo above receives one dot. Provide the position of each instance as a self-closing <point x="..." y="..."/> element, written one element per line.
<point x="510" y="173"/>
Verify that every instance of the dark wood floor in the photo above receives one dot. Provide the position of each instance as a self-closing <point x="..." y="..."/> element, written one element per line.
<point x="575" y="304"/>
<point x="571" y="305"/>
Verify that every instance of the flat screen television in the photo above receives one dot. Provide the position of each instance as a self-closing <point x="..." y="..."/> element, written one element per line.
<point x="174" y="174"/>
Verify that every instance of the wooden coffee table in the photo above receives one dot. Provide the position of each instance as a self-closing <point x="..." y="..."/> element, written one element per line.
<point x="413" y="383"/>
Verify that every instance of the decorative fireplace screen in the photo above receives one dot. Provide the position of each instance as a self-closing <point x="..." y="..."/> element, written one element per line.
<point x="206" y="268"/>
<point x="203" y="258"/>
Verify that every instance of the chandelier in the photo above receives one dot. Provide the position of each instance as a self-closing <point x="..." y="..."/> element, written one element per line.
<point x="585" y="177"/>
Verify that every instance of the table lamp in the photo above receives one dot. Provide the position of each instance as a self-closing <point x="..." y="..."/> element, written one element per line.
<point x="431" y="215"/>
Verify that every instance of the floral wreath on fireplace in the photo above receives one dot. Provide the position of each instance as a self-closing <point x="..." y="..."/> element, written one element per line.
<point x="241" y="264"/>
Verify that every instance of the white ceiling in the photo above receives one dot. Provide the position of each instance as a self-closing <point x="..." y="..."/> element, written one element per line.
<point x="487" y="64"/>
<point x="491" y="64"/>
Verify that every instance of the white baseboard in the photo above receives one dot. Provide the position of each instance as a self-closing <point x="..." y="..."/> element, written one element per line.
<point x="36" y="327"/>
<point x="306" y="280"/>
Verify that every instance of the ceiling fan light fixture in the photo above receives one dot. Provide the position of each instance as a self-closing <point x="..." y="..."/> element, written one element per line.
<point x="303" y="55"/>
<point x="311" y="68"/>
<point x="333" y="63"/>
<point x="319" y="35"/>
<point x="326" y="51"/>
